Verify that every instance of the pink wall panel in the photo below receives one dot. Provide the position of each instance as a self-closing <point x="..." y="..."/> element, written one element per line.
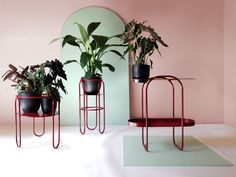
<point x="230" y="62"/>
<point x="192" y="28"/>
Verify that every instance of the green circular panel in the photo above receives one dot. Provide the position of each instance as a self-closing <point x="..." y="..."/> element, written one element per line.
<point x="116" y="83"/>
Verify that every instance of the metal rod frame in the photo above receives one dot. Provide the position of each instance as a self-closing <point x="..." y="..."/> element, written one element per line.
<point x="84" y="108"/>
<point x="145" y="109"/>
<point x="19" y="115"/>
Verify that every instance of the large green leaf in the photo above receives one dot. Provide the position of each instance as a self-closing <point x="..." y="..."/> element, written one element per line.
<point x="93" y="45"/>
<point x="70" y="61"/>
<point x="100" y="40"/>
<point x="117" y="53"/>
<point x="83" y="32"/>
<point x="104" y="48"/>
<point x="109" y="66"/>
<point x="71" y="40"/>
<point x="84" y="59"/>
<point x="92" y="27"/>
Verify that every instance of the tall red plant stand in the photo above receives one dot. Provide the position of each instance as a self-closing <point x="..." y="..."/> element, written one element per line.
<point x="35" y="116"/>
<point x="85" y="107"/>
<point x="145" y="121"/>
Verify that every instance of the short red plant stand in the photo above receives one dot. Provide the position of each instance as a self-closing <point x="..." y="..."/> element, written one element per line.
<point x="85" y="108"/>
<point x="19" y="114"/>
<point x="145" y="121"/>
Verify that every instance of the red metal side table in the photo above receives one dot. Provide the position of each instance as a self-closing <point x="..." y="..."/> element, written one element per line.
<point x="85" y="108"/>
<point x="145" y="121"/>
<point x="19" y="114"/>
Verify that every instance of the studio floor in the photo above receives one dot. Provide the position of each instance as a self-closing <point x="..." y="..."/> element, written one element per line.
<point x="95" y="155"/>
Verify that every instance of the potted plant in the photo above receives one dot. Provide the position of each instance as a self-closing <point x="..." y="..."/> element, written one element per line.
<point x="52" y="75"/>
<point x="142" y="42"/>
<point x="38" y="80"/>
<point x="27" y="83"/>
<point x="92" y="48"/>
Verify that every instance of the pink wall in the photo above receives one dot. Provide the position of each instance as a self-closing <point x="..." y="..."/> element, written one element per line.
<point x="192" y="28"/>
<point x="229" y="62"/>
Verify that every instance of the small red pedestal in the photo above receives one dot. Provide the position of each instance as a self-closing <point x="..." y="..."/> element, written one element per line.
<point x="19" y="114"/>
<point x="145" y="121"/>
<point x="85" y="108"/>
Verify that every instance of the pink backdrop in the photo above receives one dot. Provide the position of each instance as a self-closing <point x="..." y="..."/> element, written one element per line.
<point x="194" y="30"/>
<point x="230" y="62"/>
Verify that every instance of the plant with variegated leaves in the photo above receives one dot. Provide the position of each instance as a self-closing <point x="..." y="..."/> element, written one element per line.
<point x="142" y="42"/>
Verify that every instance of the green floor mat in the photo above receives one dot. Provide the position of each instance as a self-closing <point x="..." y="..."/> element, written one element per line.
<point x="164" y="153"/>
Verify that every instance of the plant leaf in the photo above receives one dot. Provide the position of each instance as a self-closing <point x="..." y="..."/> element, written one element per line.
<point x="12" y="67"/>
<point x="104" y="48"/>
<point x="71" y="40"/>
<point x="84" y="59"/>
<point x="109" y="66"/>
<point x="54" y="40"/>
<point x="55" y="94"/>
<point x="61" y="86"/>
<point x="117" y="53"/>
<point x="83" y="32"/>
<point x="92" y="27"/>
<point x="70" y="61"/>
<point x="93" y="45"/>
<point x="8" y="75"/>
<point x="100" y="40"/>
<point x="25" y="70"/>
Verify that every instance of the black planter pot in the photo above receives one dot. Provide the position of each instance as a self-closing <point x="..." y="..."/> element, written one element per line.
<point x="140" y="73"/>
<point x="91" y="86"/>
<point x="29" y="105"/>
<point x="46" y="105"/>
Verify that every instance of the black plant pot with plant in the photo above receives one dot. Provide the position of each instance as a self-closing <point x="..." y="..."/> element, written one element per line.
<point x="30" y="104"/>
<point x="142" y="41"/>
<point x="38" y="80"/>
<point x="141" y="73"/>
<point x="27" y="83"/>
<point x="91" y="86"/>
<point x="92" y="48"/>
<point x="48" y="105"/>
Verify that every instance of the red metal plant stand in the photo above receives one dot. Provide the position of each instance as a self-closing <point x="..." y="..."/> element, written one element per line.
<point x="145" y="122"/>
<point x="19" y="114"/>
<point x="85" y="108"/>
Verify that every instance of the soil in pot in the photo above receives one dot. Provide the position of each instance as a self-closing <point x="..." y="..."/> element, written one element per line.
<point x="140" y="73"/>
<point x="29" y="105"/>
<point x="91" y="86"/>
<point x="46" y="105"/>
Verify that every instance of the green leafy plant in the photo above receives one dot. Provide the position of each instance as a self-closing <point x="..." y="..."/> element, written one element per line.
<point x="53" y="73"/>
<point x="92" y="48"/>
<point x="142" y="42"/>
<point x="43" y="79"/>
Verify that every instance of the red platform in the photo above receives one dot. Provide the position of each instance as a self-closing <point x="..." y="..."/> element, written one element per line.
<point x="161" y="122"/>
